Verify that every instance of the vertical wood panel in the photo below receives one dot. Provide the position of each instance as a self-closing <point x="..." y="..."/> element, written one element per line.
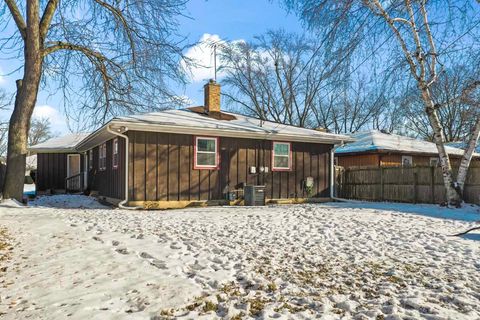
<point x="185" y="172"/>
<point x="139" y="166"/>
<point x="204" y="184"/>
<point x="173" y="168"/>
<point x="151" y="166"/>
<point x="299" y="173"/>
<point x="162" y="166"/>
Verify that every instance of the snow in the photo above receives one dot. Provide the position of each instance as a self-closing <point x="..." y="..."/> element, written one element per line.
<point x="67" y="201"/>
<point x="462" y="145"/>
<point x="31" y="162"/>
<point x="29" y="189"/>
<point x="185" y="118"/>
<point x="10" y="203"/>
<point x="334" y="260"/>
<point x="63" y="143"/>
<point x="375" y="140"/>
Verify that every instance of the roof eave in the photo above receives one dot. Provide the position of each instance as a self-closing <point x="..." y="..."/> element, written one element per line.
<point x="52" y="150"/>
<point x="228" y="133"/>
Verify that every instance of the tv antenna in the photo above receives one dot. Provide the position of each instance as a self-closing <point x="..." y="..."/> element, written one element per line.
<point x="215" y="60"/>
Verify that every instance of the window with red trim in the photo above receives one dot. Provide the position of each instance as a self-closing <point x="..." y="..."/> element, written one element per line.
<point x="115" y="153"/>
<point x="281" y="156"/>
<point x="206" y="153"/>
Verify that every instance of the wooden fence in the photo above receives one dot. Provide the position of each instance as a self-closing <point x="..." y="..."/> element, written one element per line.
<point x="400" y="184"/>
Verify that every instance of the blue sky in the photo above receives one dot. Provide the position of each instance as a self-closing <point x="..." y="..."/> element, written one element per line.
<point x="226" y="20"/>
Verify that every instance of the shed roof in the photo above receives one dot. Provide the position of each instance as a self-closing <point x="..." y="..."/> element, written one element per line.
<point x="373" y="140"/>
<point x="66" y="143"/>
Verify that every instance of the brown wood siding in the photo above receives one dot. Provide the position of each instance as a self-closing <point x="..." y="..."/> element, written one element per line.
<point x="161" y="166"/>
<point x="111" y="181"/>
<point x="52" y="170"/>
<point x="360" y="160"/>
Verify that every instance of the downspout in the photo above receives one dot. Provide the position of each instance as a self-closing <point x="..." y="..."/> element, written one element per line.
<point x="122" y="204"/>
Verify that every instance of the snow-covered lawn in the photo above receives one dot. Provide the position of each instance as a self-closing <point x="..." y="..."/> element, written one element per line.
<point x="329" y="261"/>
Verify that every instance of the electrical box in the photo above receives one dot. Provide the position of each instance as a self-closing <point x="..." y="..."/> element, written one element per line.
<point x="254" y="195"/>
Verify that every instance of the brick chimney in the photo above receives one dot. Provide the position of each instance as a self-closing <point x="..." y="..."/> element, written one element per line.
<point x="212" y="96"/>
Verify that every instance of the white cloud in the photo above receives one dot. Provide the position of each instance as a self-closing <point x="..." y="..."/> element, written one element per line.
<point x="57" y="120"/>
<point x="2" y="77"/>
<point x="202" y="55"/>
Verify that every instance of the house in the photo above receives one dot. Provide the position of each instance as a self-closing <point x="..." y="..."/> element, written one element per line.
<point x="377" y="149"/>
<point x="193" y="156"/>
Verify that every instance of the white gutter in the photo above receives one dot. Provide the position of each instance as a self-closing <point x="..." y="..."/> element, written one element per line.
<point x="122" y="204"/>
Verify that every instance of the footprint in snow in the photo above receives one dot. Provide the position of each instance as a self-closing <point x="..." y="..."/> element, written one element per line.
<point x="153" y="261"/>
<point x="122" y="250"/>
<point x="97" y="239"/>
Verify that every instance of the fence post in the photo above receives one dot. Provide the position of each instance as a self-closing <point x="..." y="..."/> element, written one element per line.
<point x="432" y="183"/>
<point x="381" y="184"/>
<point x="415" y="186"/>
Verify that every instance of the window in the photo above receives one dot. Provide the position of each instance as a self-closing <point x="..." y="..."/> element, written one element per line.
<point x="90" y="159"/>
<point x="407" y="161"/>
<point x="115" y="153"/>
<point x="102" y="157"/>
<point x="206" y="153"/>
<point x="281" y="156"/>
<point x="434" y="162"/>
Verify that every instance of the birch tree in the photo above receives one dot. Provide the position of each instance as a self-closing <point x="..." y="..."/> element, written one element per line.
<point x="408" y="24"/>
<point x="105" y="57"/>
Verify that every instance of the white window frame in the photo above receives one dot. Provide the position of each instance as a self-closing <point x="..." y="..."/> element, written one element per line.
<point x="102" y="157"/>
<point x="217" y="158"/>
<point x="90" y="159"/>
<point x="410" y="158"/>
<point x="115" y="153"/>
<point x="274" y="168"/>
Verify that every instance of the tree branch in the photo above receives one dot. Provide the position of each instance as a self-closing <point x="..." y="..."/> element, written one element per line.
<point x="47" y="17"/>
<point x="17" y="17"/>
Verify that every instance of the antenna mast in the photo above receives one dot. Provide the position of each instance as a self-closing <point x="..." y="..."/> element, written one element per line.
<point x="215" y="60"/>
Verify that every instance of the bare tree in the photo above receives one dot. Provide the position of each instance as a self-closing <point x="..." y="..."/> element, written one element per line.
<point x="423" y="50"/>
<point x="456" y="116"/>
<point x="40" y="131"/>
<point x="107" y="57"/>
<point x="281" y="75"/>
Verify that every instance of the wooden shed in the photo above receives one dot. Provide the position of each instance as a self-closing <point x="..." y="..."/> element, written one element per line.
<point x="202" y="155"/>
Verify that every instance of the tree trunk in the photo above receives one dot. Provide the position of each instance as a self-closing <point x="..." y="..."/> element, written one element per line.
<point x="25" y="99"/>
<point x="453" y="196"/>
<point x="467" y="157"/>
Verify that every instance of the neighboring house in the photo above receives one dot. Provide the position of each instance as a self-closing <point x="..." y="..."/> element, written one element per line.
<point x="31" y="163"/>
<point x="378" y="149"/>
<point x="198" y="155"/>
